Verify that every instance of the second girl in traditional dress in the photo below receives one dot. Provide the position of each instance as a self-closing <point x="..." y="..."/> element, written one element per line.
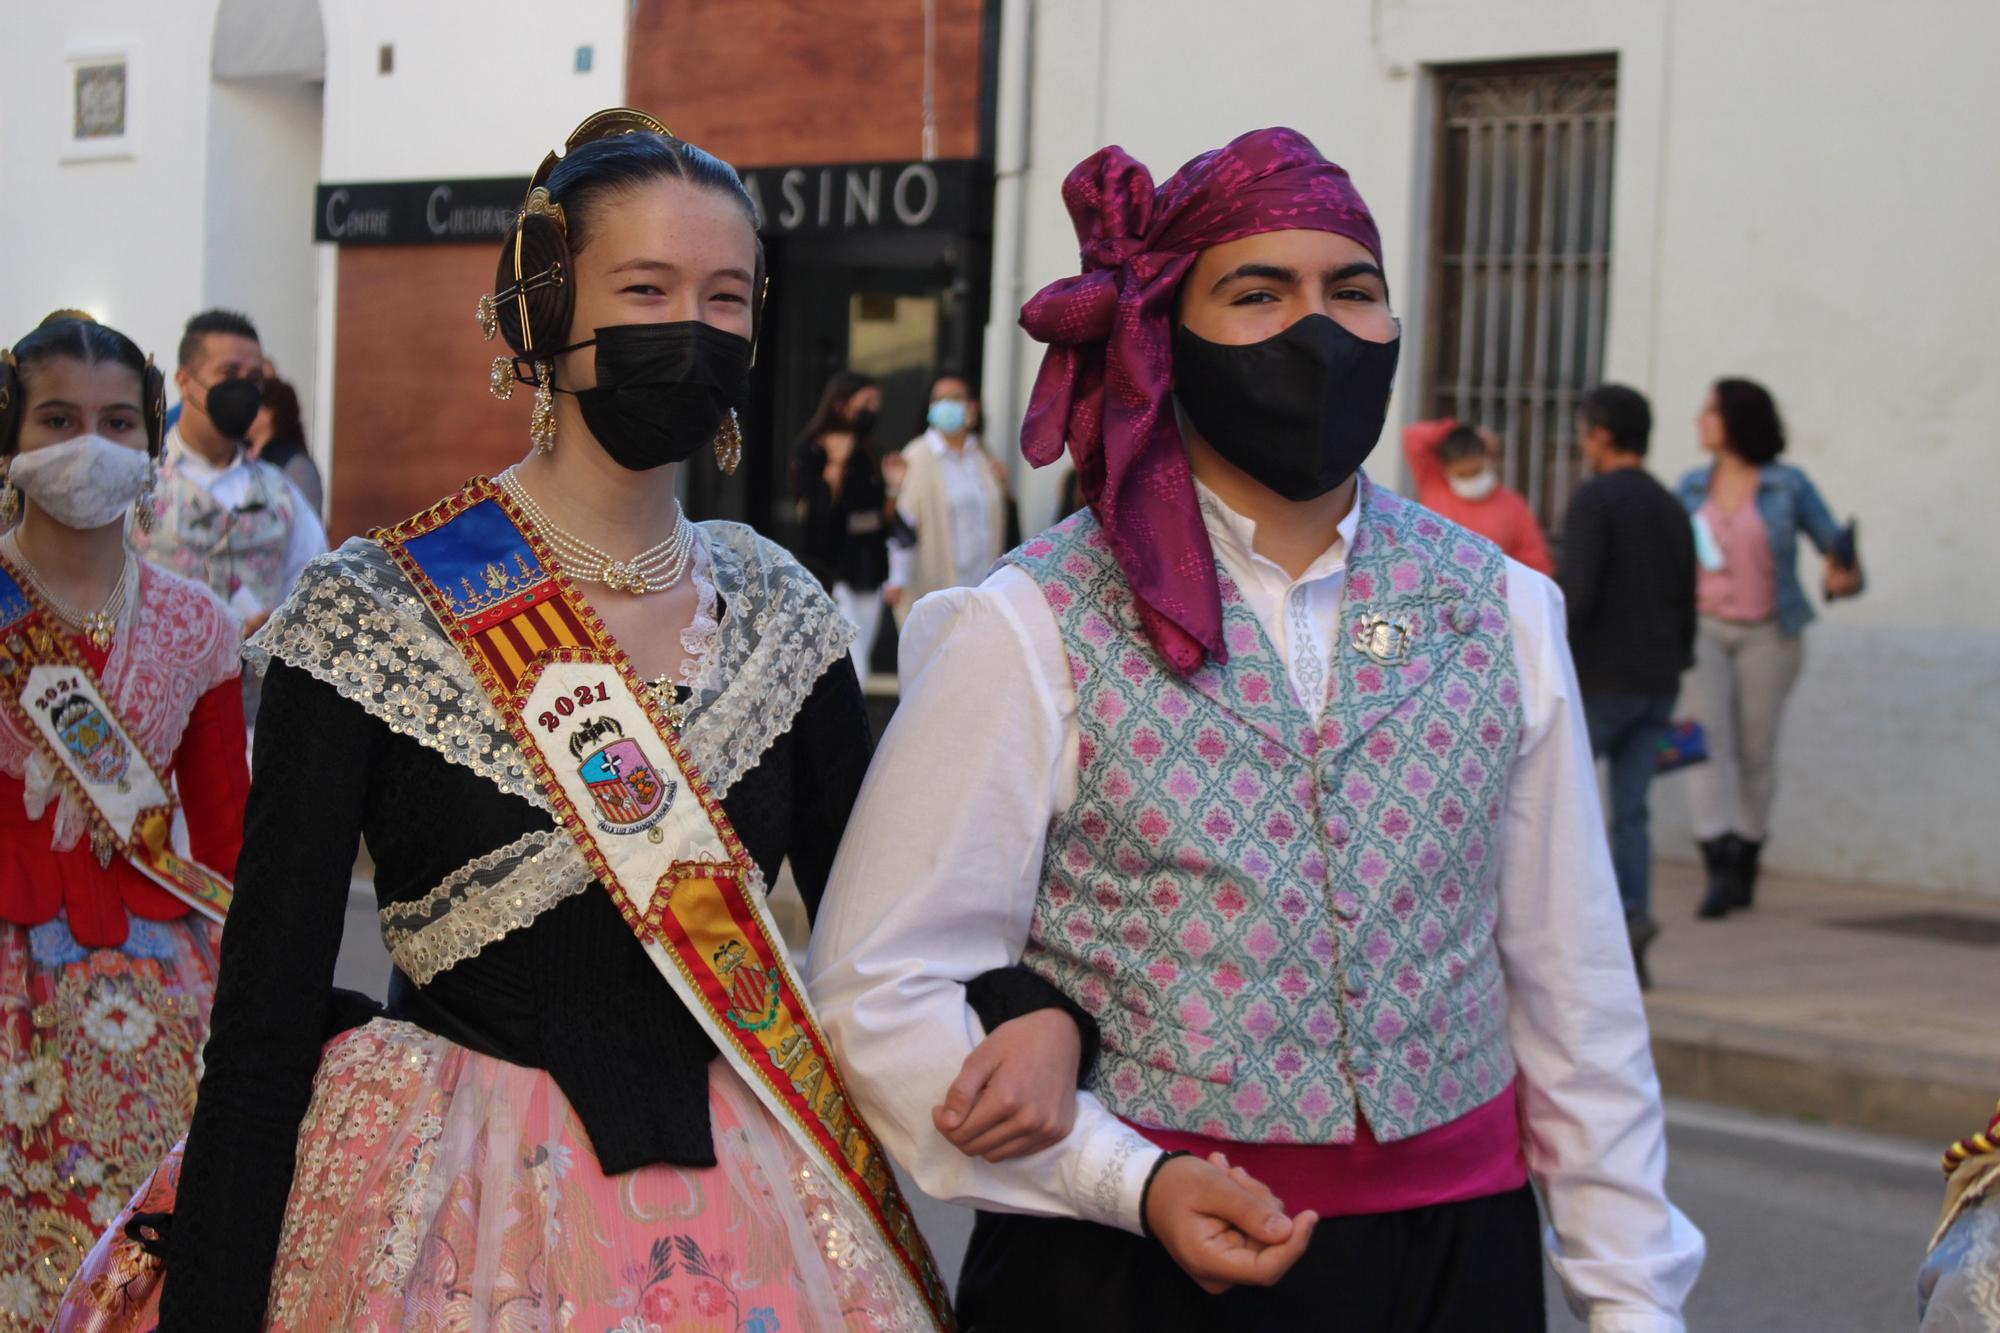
<point x="118" y="682"/>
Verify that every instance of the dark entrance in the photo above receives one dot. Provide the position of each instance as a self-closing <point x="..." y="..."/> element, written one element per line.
<point x="856" y="286"/>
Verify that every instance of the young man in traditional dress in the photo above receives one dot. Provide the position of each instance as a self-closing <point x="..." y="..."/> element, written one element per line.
<point x="1285" y="781"/>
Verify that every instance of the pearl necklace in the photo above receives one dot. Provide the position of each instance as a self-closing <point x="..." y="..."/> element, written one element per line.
<point x="655" y="569"/>
<point x="97" y="626"/>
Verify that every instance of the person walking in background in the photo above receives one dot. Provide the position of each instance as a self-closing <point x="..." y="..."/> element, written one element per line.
<point x="952" y="495"/>
<point x="1628" y="578"/>
<point x="221" y="517"/>
<point x="844" y="505"/>
<point x="1456" y="468"/>
<point x="278" y="437"/>
<point x="1749" y="511"/>
<point x="106" y="974"/>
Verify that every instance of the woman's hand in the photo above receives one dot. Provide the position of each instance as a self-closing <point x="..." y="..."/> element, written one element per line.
<point x="1841" y="581"/>
<point x="894" y="468"/>
<point x="1223" y="1227"/>
<point x="1016" y="1093"/>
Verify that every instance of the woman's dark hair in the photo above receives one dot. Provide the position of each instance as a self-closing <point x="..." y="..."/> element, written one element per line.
<point x="1463" y="442"/>
<point x="1750" y="423"/>
<point x="591" y="173"/>
<point x="840" y="386"/>
<point x="63" y="335"/>
<point x="287" y="425"/>
<point x="1621" y="412"/>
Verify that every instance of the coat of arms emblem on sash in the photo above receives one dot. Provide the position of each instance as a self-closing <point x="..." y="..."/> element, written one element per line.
<point x="89" y="736"/>
<point x="631" y="795"/>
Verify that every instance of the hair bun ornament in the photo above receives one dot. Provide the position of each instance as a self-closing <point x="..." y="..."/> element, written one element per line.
<point x="532" y="298"/>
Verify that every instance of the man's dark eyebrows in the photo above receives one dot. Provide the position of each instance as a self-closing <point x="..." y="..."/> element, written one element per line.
<point x="1361" y="268"/>
<point x="1273" y="272"/>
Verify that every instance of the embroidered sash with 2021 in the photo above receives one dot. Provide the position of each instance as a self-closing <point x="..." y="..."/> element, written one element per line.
<point x="48" y="688"/>
<point x="652" y="830"/>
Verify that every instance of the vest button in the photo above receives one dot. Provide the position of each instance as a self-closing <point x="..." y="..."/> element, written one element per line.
<point x="1362" y="1066"/>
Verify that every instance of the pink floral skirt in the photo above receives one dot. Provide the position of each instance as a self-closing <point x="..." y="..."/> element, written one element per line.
<point x="98" y="1066"/>
<point x="438" y="1189"/>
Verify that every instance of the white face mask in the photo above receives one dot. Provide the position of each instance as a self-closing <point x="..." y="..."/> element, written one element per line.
<point x="1475" y="487"/>
<point x="83" y="483"/>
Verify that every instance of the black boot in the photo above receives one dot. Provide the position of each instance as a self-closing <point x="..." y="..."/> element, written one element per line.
<point x="1642" y="930"/>
<point x="1718" y="856"/>
<point x="1743" y="873"/>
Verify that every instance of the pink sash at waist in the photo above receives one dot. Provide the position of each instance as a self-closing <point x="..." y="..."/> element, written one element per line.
<point x="1475" y="1156"/>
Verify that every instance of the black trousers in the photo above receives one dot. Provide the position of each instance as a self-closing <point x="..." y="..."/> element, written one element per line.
<point x="1473" y="1267"/>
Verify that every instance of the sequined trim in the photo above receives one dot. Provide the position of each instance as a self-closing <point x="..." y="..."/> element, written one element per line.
<point x="481" y="901"/>
<point x="855" y="1255"/>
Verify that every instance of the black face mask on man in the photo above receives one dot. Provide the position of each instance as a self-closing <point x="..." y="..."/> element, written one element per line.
<point x="1298" y="411"/>
<point x="662" y="389"/>
<point x="232" y="405"/>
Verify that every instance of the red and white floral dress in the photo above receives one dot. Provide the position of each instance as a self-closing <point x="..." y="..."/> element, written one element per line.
<point x="105" y="978"/>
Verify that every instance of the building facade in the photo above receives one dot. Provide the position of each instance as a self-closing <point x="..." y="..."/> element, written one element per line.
<point x="1658" y="192"/>
<point x="1662" y="192"/>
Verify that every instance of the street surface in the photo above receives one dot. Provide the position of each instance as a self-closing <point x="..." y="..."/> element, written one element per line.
<point x="1810" y="1230"/>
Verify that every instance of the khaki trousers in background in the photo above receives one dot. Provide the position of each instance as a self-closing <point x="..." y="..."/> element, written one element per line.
<point x="1737" y="689"/>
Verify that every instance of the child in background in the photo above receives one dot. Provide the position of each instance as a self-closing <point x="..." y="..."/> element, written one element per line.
<point x="1456" y="474"/>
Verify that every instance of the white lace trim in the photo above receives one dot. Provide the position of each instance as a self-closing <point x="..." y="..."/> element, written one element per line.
<point x="481" y="901"/>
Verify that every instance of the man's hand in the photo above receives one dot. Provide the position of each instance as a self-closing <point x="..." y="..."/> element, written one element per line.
<point x="1222" y="1226"/>
<point x="251" y="624"/>
<point x="1016" y="1093"/>
<point x="891" y="595"/>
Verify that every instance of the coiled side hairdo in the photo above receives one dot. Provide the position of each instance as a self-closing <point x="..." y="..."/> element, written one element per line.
<point x="588" y="178"/>
<point x="78" y="338"/>
<point x="1750" y="420"/>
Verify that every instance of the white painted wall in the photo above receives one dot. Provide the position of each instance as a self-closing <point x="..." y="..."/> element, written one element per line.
<point x="480" y="88"/>
<point x="121" y="238"/>
<point x="1801" y="196"/>
<point x="263" y="154"/>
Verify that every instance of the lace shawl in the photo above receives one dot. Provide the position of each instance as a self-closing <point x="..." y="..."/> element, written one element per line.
<point x="356" y="624"/>
<point x="175" y="643"/>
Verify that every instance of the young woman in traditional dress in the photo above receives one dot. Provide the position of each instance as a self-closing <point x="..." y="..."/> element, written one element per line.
<point x="580" y="734"/>
<point x="118" y="680"/>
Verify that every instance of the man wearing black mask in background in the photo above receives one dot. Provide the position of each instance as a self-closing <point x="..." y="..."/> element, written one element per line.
<point x="218" y="515"/>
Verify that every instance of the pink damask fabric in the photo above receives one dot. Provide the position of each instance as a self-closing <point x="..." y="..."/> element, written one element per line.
<point x="1106" y="382"/>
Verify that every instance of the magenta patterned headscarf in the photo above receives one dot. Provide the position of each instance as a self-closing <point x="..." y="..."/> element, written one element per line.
<point x="1106" y="380"/>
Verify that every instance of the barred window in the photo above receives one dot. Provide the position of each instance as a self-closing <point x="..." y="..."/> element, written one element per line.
<point x="1520" y="259"/>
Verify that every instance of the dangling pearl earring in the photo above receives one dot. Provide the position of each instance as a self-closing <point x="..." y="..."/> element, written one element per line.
<point x="542" y="425"/>
<point x="729" y="444"/>
<point x="142" y="509"/>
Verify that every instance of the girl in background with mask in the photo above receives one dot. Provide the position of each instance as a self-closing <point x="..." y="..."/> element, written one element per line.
<point x="1456" y="468"/>
<point x="951" y="495"/>
<point x="580" y="734"/>
<point x="105" y="977"/>
<point x="844" y="505"/>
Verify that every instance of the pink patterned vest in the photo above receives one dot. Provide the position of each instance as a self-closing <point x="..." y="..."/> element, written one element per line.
<point x="1273" y="920"/>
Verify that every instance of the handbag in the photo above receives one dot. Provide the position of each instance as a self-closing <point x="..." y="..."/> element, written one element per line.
<point x="1684" y="744"/>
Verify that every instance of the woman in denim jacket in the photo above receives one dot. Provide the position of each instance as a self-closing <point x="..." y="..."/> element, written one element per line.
<point x="1749" y="511"/>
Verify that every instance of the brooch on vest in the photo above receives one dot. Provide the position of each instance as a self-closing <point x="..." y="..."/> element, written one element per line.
<point x="1384" y="639"/>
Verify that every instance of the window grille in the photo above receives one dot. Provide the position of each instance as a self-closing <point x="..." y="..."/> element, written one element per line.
<point x="1520" y="259"/>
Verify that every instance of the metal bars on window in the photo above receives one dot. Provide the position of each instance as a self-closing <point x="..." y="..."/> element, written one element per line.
<point x="1521" y="259"/>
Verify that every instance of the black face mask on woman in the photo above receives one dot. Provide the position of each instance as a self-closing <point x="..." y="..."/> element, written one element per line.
<point x="662" y="389"/>
<point x="1298" y="411"/>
